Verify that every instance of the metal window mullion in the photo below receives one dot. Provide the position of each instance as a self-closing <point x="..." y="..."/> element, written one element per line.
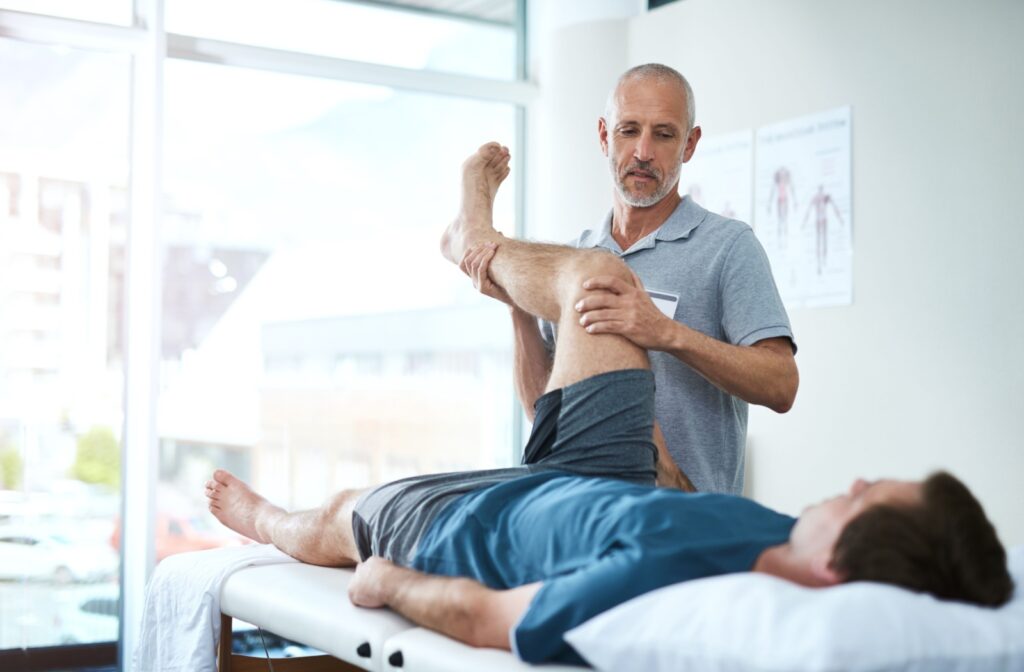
<point x="70" y="32"/>
<point x="523" y="112"/>
<point x="142" y="337"/>
<point x="437" y="12"/>
<point x="326" y="67"/>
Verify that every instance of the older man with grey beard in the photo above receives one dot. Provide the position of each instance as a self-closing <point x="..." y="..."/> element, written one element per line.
<point x="707" y="311"/>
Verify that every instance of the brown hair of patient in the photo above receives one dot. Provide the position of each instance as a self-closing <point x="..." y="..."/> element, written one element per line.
<point x="944" y="546"/>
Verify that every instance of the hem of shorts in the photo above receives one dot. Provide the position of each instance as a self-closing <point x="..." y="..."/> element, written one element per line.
<point x="617" y="373"/>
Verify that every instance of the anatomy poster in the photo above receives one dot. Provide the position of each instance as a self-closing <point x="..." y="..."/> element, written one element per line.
<point x="803" y="207"/>
<point x="718" y="175"/>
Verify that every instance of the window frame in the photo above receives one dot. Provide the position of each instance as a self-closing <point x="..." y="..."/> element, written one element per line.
<point x="149" y="46"/>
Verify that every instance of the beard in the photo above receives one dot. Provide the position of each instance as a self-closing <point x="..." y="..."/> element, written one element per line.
<point x="665" y="183"/>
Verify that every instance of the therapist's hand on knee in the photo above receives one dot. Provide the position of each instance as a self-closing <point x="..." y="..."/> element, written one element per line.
<point x="614" y="306"/>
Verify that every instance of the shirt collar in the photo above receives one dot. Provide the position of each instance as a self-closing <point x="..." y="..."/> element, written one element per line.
<point x="684" y="219"/>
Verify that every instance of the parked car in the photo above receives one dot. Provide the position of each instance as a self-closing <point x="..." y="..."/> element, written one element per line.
<point x="91" y="616"/>
<point x="30" y="554"/>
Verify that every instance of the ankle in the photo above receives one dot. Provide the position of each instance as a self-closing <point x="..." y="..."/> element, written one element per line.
<point x="460" y="238"/>
<point x="266" y="524"/>
<point x="479" y="235"/>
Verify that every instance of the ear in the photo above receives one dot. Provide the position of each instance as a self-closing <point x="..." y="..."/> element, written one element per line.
<point x="691" y="143"/>
<point x="602" y="133"/>
<point x="821" y="570"/>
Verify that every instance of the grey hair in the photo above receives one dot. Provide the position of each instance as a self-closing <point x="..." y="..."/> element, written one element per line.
<point x="660" y="73"/>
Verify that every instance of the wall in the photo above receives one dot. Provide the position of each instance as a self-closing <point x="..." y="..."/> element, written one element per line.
<point x="577" y="47"/>
<point x="925" y="369"/>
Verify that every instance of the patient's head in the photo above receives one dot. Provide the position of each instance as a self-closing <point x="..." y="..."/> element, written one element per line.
<point x="930" y="537"/>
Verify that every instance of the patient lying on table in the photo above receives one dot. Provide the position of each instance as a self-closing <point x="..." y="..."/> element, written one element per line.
<point x="513" y="558"/>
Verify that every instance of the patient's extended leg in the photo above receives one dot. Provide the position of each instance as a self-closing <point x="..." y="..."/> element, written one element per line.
<point x="321" y="536"/>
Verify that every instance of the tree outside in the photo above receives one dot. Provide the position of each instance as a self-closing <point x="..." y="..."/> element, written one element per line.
<point x="98" y="458"/>
<point x="11" y="467"/>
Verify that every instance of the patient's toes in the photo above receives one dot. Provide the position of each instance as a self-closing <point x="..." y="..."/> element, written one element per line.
<point x="225" y="477"/>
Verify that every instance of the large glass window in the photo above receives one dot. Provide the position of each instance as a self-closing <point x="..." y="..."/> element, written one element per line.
<point x="63" y="173"/>
<point x="313" y="337"/>
<point x="103" y="11"/>
<point x="480" y="41"/>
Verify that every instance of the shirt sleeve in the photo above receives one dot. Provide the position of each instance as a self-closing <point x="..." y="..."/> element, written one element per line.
<point x="564" y="602"/>
<point x="752" y="309"/>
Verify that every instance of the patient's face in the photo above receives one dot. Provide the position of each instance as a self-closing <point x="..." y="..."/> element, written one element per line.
<point x="820" y="525"/>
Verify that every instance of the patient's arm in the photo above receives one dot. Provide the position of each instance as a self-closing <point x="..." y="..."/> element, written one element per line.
<point x="461" y="608"/>
<point x="669" y="475"/>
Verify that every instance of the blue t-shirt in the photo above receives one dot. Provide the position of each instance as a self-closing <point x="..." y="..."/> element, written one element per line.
<point x="594" y="542"/>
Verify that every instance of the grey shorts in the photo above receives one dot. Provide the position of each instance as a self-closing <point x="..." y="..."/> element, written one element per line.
<point x="600" y="426"/>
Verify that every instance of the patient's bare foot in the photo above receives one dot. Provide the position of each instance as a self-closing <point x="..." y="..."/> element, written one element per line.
<point x="236" y="505"/>
<point x="482" y="174"/>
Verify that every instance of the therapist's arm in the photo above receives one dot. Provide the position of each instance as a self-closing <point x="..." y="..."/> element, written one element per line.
<point x="531" y="360"/>
<point x="764" y="373"/>
<point x="462" y="609"/>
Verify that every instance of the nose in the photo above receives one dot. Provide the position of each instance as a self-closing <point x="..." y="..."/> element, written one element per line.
<point x="859" y="486"/>
<point x="644" y="149"/>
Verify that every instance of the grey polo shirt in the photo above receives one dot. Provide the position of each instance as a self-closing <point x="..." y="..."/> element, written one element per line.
<point x="711" y="274"/>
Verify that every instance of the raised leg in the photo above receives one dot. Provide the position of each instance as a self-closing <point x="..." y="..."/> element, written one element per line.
<point x="321" y="536"/>
<point x="544" y="280"/>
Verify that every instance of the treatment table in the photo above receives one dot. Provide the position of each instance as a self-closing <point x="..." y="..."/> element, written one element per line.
<point x="310" y="605"/>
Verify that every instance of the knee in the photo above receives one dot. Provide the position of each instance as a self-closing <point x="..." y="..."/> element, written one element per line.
<point x="591" y="264"/>
<point x="339" y="506"/>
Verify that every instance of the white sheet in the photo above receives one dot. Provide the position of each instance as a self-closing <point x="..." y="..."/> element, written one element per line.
<point x="181" y="619"/>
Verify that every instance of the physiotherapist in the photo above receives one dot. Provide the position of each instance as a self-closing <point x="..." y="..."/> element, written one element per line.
<point x="706" y="308"/>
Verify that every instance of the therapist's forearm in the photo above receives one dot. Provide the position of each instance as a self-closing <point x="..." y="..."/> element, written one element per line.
<point x="764" y="373"/>
<point x="531" y="361"/>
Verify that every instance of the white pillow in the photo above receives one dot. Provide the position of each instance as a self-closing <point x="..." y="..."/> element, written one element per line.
<point x="757" y="622"/>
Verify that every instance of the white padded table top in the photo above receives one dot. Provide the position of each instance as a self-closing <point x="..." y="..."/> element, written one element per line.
<point x="422" y="650"/>
<point x="310" y="605"/>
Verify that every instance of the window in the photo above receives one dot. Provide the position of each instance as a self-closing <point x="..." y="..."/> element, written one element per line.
<point x="482" y="44"/>
<point x="310" y="337"/>
<point x="62" y="148"/>
<point x="302" y="227"/>
<point x="103" y="11"/>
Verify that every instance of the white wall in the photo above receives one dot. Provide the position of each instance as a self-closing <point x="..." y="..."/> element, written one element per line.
<point x="567" y="160"/>
<point x="925" y="369"/>
<point x="577" y="47"/>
